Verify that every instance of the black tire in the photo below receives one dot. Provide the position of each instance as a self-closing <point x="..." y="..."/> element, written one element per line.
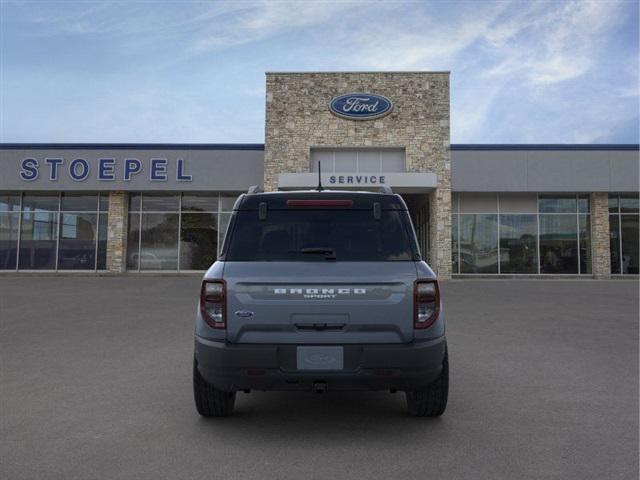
<point x="211" y="402"/>
<point x="432" y="401"/>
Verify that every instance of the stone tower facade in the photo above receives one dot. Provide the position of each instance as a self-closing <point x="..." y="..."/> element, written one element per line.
<point x="298" y="119"/>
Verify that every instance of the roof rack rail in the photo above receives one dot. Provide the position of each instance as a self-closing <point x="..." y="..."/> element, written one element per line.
<point x="255" y="189"/>
<point x="385" y="189"/>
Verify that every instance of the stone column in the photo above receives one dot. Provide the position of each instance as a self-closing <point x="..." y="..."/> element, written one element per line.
<point x="600" y="250"/>
<point x="117" y="232"/>
<point x="440" y="232"/>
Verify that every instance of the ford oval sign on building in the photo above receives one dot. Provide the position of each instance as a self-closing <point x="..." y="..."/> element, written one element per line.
<point x="360" y="106"/>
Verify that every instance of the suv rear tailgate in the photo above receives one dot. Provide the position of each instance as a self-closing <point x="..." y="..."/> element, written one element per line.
<point x="320" y="302"/>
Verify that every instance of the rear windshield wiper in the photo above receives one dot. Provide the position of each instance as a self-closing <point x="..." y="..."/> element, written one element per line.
<point x="329" y="253"/>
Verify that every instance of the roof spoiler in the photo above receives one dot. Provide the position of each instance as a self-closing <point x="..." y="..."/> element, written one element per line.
<point x="385" y="189"/>
<point x="255" y="189"/>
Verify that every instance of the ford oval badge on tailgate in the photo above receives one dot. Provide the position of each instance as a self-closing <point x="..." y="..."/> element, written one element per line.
<point x="244" y="314"/>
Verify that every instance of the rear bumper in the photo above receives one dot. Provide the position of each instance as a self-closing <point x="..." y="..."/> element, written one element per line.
<point x="232" y="367"/>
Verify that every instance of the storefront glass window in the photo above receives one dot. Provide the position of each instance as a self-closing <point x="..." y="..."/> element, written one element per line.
<point x="135" y="201"/>
<point x="518" y="244"/>
<point x="78" y="234"/>
<point x="198" y="231"/>
<point x="455" y="264"/>
<point x="614" y="242"/>
<point x="558" y="244"/>
<point x="176" y="232"/>
<point x="629" y="233"/>
<point x="79" y="202"/>
<point x="103" y="202"/>
<point x="9" y="202"/>
<point x="39" y="231"/>
<point x="200" y="202"/>
<point x="557" y="204"/>
<point x="583" y="204"/>
<point x="9" y="222"/>
<point x="152" y="202"/>
<point x="49" y="202"/>
<point x="78" y="244"/>
<point x="101" y="262"/>
<point x="9" y="229"/>
<point x="555" y="239"/>
<point x="227" y="202"/>
<point x="38" y="238"/>
<point x="198" y="240"/>
<point x="623" y="233"/>
<point x="224" y="224"/>
<point x="53" y="231"/>
<point x="159" y="241"/>
<point x="565" y="235"/>
<point x="133" y="239"/>
<point x="628" y="203"/>
<point x="584" y="236"/>
<point x="478" y="243"/>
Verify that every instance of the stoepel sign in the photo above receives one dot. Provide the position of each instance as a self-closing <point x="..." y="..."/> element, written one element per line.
<point x="107" y="169"/>
<point x="360" y="106"/>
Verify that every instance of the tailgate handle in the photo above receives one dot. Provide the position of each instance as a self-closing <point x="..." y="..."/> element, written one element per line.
<point x="320" y="326"/>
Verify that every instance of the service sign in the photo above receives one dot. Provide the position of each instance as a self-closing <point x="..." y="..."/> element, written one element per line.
<point x="408" y="182"/>
<point x="360" y="106"/>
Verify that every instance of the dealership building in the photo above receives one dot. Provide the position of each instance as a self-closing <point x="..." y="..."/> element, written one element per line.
<point x="478" y="209"/>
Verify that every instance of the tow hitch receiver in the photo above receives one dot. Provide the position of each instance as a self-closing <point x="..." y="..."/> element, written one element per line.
<point x="319" y="386"/>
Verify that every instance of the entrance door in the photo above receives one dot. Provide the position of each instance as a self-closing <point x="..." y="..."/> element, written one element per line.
<point x="418" y="205"/>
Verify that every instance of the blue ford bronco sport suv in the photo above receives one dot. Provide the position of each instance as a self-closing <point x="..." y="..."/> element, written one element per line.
<point x="320" y="290"/>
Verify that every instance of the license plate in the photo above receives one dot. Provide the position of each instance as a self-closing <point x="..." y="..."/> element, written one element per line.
<point x="320" y="358"/>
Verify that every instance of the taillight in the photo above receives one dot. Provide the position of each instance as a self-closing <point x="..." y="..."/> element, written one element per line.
<point x="426" y="306"/>
<point x="213" y="303"/>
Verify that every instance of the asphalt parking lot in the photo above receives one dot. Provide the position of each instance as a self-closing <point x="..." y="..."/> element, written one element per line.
<point x="96" y="384"/>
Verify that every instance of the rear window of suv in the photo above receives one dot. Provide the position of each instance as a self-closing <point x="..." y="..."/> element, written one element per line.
<point x="320" y="235"/>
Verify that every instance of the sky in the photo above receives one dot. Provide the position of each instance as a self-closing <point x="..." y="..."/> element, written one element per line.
<point x="179" y="71"/>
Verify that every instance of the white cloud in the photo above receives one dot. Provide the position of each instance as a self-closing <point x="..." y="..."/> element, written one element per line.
<point x="545" y="43"/>
<point x="521" y="71"/>
<point x="418" y="39"/>
<point x="469" y="113"/>
<point x="266" y="19"/>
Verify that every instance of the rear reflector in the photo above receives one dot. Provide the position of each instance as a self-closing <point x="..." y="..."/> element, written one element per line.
<point x="320" y="203"/>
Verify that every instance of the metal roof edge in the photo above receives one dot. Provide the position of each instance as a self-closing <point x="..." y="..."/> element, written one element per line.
<point x="543" y="146"/>
<point x="290" y="72"/>
<point x="132" y="146"/>
<point x="260" y="146"/>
